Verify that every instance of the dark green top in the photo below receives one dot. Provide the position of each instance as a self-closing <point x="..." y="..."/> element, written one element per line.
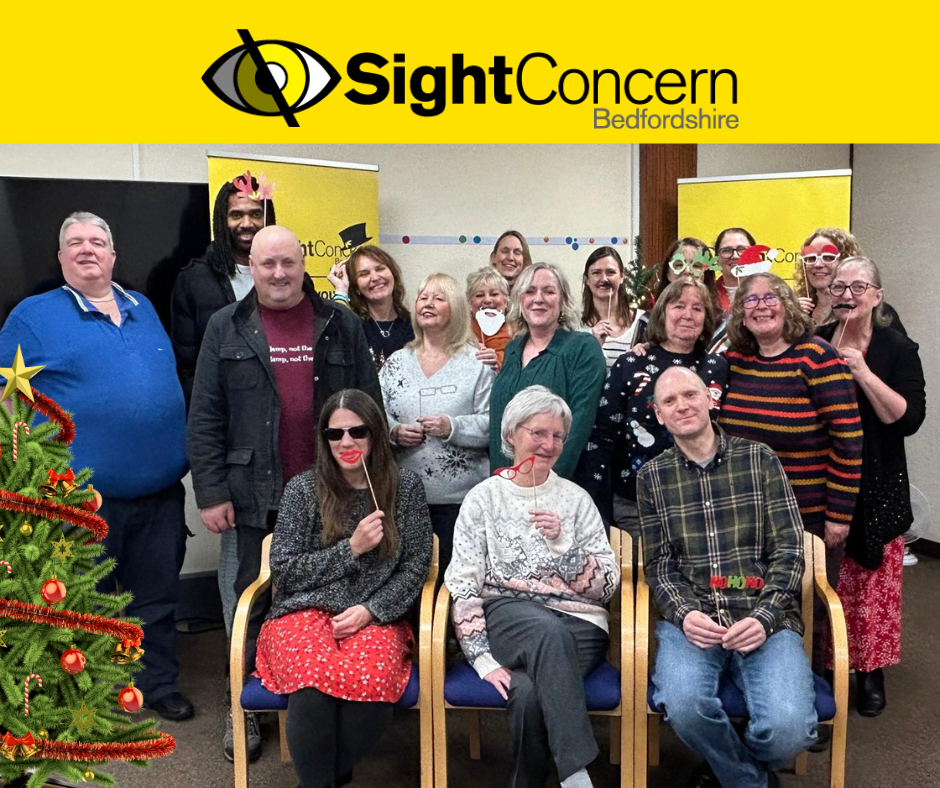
<point x="573" y="367"/>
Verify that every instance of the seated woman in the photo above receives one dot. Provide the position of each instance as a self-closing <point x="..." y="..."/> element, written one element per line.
<point x="349" y="556"/>
<point x="488" y="291"/>
<point x="531" y="573"/>
<point x="437" y="397"/>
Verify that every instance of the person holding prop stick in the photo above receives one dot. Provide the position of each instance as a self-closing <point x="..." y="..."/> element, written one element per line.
<point x="488" y="294"/>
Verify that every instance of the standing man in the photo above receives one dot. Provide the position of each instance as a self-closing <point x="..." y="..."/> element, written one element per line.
<point x="711" y="508"/>
<point x="267" y="365"/>
<point x="108" y="360"/>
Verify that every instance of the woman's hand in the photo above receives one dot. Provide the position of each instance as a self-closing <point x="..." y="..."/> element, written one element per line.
<point x="548" y="523"/>
<point x="836" y="533"/>
<point x="601" y="330"/>
<point x="856" y="361"/>
<point x="488" y="356"/>
<point x="368" y="534"/>
<point x="436" y="426"/>
<point x="500" y="679"/>
<point x="408" y="435"/>
<point x="640" y="348"/>
<point x="337" y="278"/>
<point x="350" y="621"/>
<point x="806" y="304"/>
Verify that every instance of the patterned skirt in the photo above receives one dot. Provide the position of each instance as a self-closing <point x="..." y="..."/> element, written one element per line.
<point x="872" y="602"/>
<point x="298" y="650"/>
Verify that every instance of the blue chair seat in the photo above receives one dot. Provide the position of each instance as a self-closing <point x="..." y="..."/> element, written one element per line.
<point x="463" y="687"/>
<point x="732" y="699"/>
<point x="256" y="698"/>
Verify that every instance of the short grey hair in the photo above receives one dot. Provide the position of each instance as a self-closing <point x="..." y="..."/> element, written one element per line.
<point x="83" y="217"/>
<point x="570" y="318"/>
<point x="487" y="277"/>
<point x="528" y="403"/>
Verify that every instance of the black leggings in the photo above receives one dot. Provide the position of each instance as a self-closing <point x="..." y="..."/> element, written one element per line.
<point x="327" y="736"/>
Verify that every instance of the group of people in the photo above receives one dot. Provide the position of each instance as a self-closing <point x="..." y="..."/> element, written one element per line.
<point x="714" y="423"/>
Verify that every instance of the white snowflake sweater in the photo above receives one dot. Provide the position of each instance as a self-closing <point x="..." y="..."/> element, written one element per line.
<point x="498" y="552"/>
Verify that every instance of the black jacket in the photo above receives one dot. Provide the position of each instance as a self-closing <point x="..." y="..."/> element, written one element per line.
<point x="199" y="292"/>
<point x="232" y="435"/>
<point x="883" y="511"/>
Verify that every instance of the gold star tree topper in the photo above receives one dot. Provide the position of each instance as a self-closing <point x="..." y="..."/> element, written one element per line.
<point x="83" y="718"/>
<point x="18" y="376"/>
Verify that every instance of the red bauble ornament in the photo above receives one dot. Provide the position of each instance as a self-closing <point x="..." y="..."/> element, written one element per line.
<point x="95" y="503"/>
<point x="130" y="699"/>
<point x="52" y="591"/>
<point x="72" y="661"/>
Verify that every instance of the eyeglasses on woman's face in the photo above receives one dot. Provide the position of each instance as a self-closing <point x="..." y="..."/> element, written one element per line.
<point x="358" y="432"/>
<point x="857" y="288"/>
<point x="768" y="299"/>
<point x="727" y="252"/>
<point x="541" y="436"/>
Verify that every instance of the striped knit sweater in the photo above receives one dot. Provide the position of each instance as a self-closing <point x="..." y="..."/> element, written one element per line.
<point x="802" y="404"/>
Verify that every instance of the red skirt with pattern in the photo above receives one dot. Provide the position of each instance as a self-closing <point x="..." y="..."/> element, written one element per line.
<point x="298" y="650"/>
<point x="872" y="602"/>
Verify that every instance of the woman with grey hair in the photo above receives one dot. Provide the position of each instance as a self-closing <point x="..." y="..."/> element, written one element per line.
<point x="528" y="530"/>
<point x="548" y="350"/>
<point x="488" y="295"/>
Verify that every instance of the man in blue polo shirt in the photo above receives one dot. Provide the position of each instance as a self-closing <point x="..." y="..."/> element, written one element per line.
<point x="108" y="361"/>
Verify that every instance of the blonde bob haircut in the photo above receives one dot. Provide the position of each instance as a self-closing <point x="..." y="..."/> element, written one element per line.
<point x="796" y="323"/>
<point x="487" y="277"/>
<point x="569" y="317"/>
<point x="457" y="333"/>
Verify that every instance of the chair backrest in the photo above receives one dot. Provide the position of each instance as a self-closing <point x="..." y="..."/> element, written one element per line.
<point x="614" y="610"/>
<point x="808" y="590"/>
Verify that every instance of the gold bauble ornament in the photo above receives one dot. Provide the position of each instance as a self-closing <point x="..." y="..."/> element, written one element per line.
<point x="42" y="733"/>
<point x="88" y="775"/>
<point x="26" y="529"/>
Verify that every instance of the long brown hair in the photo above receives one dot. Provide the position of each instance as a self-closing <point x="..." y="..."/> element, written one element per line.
<point x="589" y="313"/>
<point x="357" y="301"/>
<point x="334" y="494"/>
<point x="656" y="329"/>
<point x="796" y="323"/>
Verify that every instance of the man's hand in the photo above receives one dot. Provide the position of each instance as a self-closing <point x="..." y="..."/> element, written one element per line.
<point x="701" y="630"/>
<point x="836" y="533"/>
<point x="368" y="533"/>
<point x="548" y="523"/>
<point x="350" y="621"/>
<point x="500" y="679"/>
<point x="218" y="518"/>
<point x="745" y="636"/>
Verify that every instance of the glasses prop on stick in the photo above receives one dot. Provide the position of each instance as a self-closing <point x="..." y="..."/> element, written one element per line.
<point x="526" y="466"/>
<point x="828" y="255"/>
<point x="351" y="457"/>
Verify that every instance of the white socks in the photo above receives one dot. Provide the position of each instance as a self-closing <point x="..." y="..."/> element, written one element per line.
<point x="579" y="779"/>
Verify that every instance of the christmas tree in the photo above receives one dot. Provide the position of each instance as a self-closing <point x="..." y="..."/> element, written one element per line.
<point x="66" y="660"/>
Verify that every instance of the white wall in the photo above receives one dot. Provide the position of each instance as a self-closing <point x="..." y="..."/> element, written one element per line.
<point x="546" y="190"/>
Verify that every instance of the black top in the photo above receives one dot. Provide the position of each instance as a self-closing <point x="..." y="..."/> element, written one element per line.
<point x="883" y="511"/>
<point x="399" y="331"/>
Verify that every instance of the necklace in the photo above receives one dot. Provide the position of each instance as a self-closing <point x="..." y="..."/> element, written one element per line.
<point x="385" y="332"/>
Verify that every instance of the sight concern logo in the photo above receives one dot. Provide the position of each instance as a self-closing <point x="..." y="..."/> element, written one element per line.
<point x="271" y="78"/>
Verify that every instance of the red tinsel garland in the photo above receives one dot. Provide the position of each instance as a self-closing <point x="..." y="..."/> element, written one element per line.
<point x="15" y="502"/>
<point x="69" y="619"/>
<point x="51" y="410"/>
<point x="130" y="751"/>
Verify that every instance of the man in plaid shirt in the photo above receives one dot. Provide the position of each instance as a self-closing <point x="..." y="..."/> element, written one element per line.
<point x="723" y="553"/>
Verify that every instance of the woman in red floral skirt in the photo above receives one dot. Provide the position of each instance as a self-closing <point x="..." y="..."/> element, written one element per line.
<point x="348" y="560"/>
<point x="889" y="380"/>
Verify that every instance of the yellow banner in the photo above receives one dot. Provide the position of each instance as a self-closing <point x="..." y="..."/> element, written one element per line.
<point x="332" y="207"/>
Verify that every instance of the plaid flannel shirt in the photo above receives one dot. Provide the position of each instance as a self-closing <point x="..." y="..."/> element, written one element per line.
<point x="726" y="539"/>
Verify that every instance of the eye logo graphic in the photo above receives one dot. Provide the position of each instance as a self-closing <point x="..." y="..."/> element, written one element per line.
<point x="271" y="78"/>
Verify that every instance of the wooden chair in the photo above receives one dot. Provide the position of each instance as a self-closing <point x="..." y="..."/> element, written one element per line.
<point x="831" y="702"/>
<point x="248" y="695"/>
<point x="608" y="689"/>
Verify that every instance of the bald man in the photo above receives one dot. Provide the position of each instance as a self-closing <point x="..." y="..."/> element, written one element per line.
<point x="723" y="552"/>
<point x="266" y="366"/>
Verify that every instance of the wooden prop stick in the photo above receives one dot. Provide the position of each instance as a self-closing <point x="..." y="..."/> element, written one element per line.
<point x="610" y="298"/>
<point x="844" y="326"/>
<point x="362" y="459"/>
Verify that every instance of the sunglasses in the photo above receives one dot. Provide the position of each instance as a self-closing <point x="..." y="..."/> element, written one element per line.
<point x="334" y="434"/>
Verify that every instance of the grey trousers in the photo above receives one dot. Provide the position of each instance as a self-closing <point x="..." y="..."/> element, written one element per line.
<point x="549" y="653"/>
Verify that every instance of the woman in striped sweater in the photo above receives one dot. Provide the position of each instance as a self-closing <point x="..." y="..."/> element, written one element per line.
<point x="794" y="392"/>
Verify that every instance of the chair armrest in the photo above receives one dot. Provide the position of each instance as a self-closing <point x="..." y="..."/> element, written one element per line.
<point x="836" y="615"/>
<point x="439" y="641"/>
<point x="425" y="624"/>
<point x="240" y="621"/>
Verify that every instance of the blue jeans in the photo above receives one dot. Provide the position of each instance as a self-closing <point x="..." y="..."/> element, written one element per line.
<point x="777" y="684"/>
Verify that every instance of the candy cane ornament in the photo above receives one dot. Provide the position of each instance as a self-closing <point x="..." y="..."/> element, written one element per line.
<point x="645" y="379"/>
<point x="16" y="427"/>
<point x="7" y="565"/>
<point x="26" y="687"/>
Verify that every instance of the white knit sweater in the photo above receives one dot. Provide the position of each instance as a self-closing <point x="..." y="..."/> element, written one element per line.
<point x="498" y="552"/>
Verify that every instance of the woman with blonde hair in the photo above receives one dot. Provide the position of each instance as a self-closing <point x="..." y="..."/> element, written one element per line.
<point x="488" y="295"/>
<point x="437" y="400"/>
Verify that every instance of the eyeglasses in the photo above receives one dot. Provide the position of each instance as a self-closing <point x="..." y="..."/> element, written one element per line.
<point x="769" y="299"/>
<point x="358" y="432"/>
<point x="824" y="257"/>
<point x="543" y="435"/>
<point x="727" y="252"/>
<point x="857" y="288"/>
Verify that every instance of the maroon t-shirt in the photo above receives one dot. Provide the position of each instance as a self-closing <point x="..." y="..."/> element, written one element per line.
<point x="290" y="338"/>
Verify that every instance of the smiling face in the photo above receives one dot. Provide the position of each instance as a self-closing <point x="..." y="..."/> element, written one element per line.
<point x="682" y="403"/>
<point x="685" y="319"/>
<point x="86" y="256"/>
<point x="541" y="436"/>
<point x="345" y="419"/>
<point x="541" y="302"/>
<point x="820" y="272"/>
<point x="487" y="297"/>
<point x="733" y="244"/>
<point x="432" y="309"/>
<point x="375" y="280"/>
<point x="603" y="277"/>
<point x="508" y="258"/>
<point x="244" y="218"/>
<point x="277" y="267"/>
<point x="764" y="322"/>
<point x="864" y="304"/>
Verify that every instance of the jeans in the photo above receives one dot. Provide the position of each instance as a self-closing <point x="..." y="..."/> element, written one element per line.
<point x="228" y="570"/>
<point x="778" y="691"/>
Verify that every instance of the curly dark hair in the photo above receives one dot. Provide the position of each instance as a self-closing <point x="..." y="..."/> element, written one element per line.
<point x="220" y="255"/>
